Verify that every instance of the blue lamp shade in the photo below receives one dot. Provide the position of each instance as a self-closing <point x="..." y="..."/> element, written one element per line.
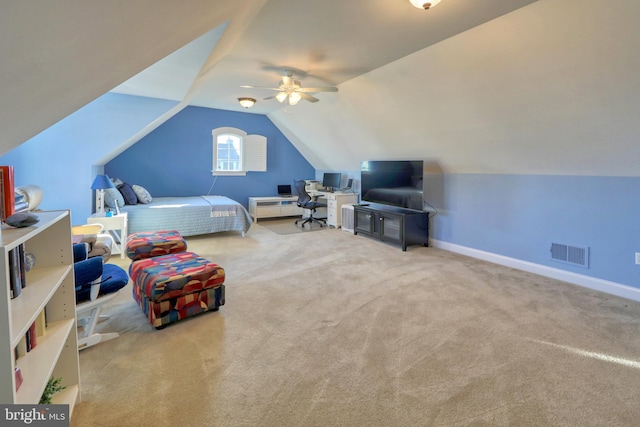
<point x="102" y="182"/>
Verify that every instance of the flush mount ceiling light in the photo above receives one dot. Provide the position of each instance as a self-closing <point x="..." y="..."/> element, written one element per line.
<point x="247" y="102"/>
<point x="421" y="4"/>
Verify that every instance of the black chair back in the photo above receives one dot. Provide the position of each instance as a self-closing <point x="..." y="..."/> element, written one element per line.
<point x="303" y="197"/>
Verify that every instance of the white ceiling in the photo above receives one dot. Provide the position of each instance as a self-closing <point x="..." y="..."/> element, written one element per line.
<point x="324" y="42"/>
<point x="491" y="86"/>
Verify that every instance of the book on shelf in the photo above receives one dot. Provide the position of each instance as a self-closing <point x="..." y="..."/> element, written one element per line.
<point x="21" y="349"/>
<point x="41" y="324"/>
<point x="17" y="270"/>
<point x="2" y="179"/>
<point x="18" y="197"/>
<point x="7" y="192"/>
<point x="15" y="282"/>
<point x="27" y="341"/>
<point x="21" y="206"/>
<point x="33" y="337"/>
<point x="20" y="202"/>
<point x="19" y="379"/>
<point x="30" y="339"/>
<point x="22" y="258"/>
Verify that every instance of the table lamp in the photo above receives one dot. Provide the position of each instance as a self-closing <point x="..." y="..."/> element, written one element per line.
<point x="101" y="183"/>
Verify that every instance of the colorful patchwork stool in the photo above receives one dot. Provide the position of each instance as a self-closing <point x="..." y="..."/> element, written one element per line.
<point x="173" y="287"/>
<point x="148" y="244"/>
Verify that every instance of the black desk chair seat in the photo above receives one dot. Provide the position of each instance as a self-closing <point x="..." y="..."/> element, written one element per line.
<point x="305" y="201"/>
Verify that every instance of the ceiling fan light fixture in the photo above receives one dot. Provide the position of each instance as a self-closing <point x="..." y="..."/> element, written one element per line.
<point x="281" y="96"/>
<point x="247" y="102"/>
<point x="294" y="97"/>
<point x="422" y="4"/>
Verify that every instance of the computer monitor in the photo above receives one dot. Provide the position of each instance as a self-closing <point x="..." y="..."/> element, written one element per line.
<point x="331" y="180"/>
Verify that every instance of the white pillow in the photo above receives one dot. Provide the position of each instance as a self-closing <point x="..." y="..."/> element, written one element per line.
<point x="142" y="194"/>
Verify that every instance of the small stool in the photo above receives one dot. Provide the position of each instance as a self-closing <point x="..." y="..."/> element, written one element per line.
<point x="173" y="287"/>
<point x="148" y="244"/>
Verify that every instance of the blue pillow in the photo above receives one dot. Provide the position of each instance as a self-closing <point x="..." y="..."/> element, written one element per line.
<point x="113" y="197"/>
<point x="128" y="194"/>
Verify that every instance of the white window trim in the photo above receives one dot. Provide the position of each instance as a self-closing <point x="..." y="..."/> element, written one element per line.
<point x="253" y="151"/>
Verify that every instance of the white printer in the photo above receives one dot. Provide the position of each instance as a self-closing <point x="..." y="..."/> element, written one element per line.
<point x="312" y="185"/>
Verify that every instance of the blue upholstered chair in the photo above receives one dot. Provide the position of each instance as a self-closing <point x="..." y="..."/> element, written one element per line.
<point x="96" y="283"/>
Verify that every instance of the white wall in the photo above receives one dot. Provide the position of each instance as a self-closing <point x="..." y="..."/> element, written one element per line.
<point x="60" y="55"/>
<point x="551" y="88"/>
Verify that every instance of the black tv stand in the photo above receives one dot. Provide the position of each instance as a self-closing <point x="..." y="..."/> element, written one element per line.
<point x="392" y="224"/>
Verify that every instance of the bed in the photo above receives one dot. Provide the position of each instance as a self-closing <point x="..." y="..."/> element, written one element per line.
<point x="190" y="216"/>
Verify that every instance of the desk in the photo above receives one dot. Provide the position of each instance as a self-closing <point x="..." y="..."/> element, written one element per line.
<point x="113" y="224"/>
<point x="335" y="201"/>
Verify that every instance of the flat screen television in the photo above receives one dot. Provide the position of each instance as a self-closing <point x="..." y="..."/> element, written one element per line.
<point x="331" y="180"/>
<point x="393" y="182"/>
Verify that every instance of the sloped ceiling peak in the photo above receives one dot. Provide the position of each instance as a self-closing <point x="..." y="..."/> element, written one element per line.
<point x="171" y="77"/>
<point x="59" y="56"/>
<point x="332" y="41"/>
<point x="528" y="93"/>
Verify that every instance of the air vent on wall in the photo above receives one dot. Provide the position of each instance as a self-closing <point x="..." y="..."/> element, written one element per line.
<point x="573" y="255"/>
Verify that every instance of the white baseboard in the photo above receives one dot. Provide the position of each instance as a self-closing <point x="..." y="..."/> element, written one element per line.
<point x="612" y="288"/>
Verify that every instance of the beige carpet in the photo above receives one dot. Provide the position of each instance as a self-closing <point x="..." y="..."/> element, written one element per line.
<point x="332" y="329"/>
<point x="284" y="226"/>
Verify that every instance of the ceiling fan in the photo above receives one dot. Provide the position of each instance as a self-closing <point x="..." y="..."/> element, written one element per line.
<point x="290" y="90"/>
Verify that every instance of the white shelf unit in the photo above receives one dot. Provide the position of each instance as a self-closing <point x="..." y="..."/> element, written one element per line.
<point x="272" y="207"/>
<point x="50" y="287"/>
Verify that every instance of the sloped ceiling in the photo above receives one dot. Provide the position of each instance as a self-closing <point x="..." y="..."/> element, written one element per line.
<point x="59" y="56"/>
<point x="532" y="92"/>
<point x="498" y="86"/>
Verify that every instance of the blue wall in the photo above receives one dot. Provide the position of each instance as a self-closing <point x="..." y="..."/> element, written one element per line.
<point x="64" y="159"/>
<point x="176" y="158"/>
<point x="518" y="216"/>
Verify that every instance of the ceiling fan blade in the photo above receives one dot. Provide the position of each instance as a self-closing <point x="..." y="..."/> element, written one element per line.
<point x="269" y="97"/>
<point x="260" y="87"/>
<point x="318" y="89"/>
<point x="308" y="97"/>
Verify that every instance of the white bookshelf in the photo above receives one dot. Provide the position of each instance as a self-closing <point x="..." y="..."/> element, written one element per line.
<point x="50" y="287"/>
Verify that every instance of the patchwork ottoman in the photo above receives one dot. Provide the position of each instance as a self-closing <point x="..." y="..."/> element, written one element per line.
<point x="173" y="287"/>
<point x="148" y="244"/>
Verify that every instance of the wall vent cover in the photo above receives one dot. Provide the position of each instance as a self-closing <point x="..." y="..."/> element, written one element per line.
<point x="573" y="255"/>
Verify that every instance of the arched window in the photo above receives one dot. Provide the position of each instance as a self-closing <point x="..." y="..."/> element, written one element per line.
<point x="236" y="153"/>
<point x="228" y="152"/>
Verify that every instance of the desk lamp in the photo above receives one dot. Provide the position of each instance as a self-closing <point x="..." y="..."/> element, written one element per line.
<point x="101" y="183"/>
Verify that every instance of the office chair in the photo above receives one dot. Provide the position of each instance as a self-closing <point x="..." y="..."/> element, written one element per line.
<point x="305" y="201"/>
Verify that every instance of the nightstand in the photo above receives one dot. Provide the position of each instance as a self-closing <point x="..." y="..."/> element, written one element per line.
<point x="116" y="226"/>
